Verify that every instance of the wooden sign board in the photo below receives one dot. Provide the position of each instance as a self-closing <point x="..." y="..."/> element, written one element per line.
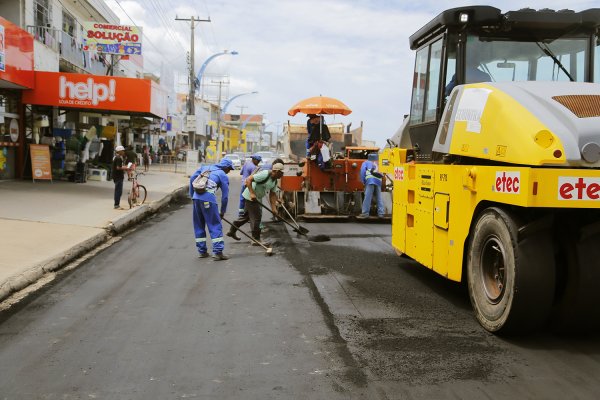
<point x="40" y="162"/>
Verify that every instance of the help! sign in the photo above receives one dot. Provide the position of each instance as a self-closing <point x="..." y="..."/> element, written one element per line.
<point x="578" y="188"/>
<point x="62" y="89"/>
<point x="508" y="182"/>
<point x="85" y="93"/>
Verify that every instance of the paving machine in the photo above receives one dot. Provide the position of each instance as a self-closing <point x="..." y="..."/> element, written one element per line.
<point x="334" y="192"/>
<point x="496" y="170"/>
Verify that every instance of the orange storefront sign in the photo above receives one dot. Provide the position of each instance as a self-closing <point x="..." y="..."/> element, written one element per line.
<point x="97" y="92"/>
<point x="16" y="56"/>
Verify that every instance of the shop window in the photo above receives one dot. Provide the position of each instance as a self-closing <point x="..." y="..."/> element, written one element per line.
<point x="42" y="29"/>
<point x="68" y="23"/>
<point x="42" y="13"/>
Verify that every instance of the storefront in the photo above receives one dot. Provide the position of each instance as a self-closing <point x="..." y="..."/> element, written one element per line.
<point x="83" y="117"/>
<point x="16" y="74"/>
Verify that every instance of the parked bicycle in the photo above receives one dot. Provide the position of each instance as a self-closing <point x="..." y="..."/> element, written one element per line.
<point x="137" y="194"/>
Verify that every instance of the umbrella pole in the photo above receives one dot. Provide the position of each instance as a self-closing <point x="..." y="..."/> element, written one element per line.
<point x="321" y="127"/>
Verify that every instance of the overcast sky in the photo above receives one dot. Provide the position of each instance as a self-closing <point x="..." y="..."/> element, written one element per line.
<point x="353" y="50"/>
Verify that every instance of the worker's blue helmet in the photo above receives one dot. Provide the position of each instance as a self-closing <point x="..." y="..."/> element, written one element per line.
<point x="373" y="157"/>
<point x="225" y="163"/>
<point x="256" y="157"/>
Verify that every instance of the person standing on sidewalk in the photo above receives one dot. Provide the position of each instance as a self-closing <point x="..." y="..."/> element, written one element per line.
<point x="118" y="175"/>
<point x="257" y="185"/>
<point x="205" y="209"/>
<point x="132" y="159"/>
<point x="248" y="169"/>
<point x="372" y="181"/>
<point x="146" y="157"/>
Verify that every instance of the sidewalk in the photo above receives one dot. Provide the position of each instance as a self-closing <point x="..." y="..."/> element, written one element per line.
<point x="43" y="225"/>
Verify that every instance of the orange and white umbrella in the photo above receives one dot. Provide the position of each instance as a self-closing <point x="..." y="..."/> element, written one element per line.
<point x="320" y="105"/>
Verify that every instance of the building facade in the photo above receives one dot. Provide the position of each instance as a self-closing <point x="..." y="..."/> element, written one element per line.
<point x="82" y="98"/>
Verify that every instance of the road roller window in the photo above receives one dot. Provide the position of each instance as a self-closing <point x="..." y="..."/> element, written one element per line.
<point x="530" y="59"/>
<point x="597" y="61"/>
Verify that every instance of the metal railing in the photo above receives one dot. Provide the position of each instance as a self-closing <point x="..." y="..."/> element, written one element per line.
<point x="72" y="51"/>
<point x="45" y="35"/>
<point x="69" y="49"/>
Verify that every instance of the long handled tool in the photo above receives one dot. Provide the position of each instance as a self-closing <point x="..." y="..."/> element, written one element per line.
<point x="298" y="229"/>
<point x="268" y="249"/>
<point x="291" y="218"/>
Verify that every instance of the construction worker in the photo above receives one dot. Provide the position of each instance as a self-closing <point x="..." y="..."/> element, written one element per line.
<point x="248" y="169"/>
<point x="205" y="210"/>
<point x="257" y="185"/>
<point x="372" y="181"/>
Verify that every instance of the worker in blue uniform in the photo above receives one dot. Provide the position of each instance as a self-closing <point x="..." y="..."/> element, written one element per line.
<point x="372" y="181"/>
<point x="206" y="211"/>
<point x="248" y="169"/>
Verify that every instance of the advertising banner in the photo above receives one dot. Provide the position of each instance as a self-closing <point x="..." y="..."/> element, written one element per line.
<point x="98" y="92"/>
<point x="16" y="55"/>
<point x="40" y="162"/>
<point x="112" y="39"/>
<point x="2" y="49"/>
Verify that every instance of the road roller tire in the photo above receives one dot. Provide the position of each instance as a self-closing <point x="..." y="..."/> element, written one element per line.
<point x="577" y="309"/>
<point x="510" y="278"/>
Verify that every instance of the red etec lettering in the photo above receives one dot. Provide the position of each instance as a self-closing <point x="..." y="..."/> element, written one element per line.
<point x="578" y="189"/>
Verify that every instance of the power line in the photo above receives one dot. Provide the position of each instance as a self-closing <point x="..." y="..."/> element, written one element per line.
<point x="145" y="36"/>
<point x="137" y="26"/>
<point x="161" y="16"/>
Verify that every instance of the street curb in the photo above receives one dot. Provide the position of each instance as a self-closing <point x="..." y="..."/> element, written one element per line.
<point x="21" y="281"/>
<point x="32" y="275"/>
<point x="139" y="213"/>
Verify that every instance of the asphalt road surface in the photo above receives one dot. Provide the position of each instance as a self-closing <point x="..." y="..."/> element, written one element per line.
<point x="341" y="319"/>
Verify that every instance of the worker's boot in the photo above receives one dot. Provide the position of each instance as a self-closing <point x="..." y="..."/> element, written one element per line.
<point x="232" y="234"/>
<point x="220" y="257"/>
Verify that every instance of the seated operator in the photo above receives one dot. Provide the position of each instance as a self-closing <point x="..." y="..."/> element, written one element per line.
<point x="472" y="74"/>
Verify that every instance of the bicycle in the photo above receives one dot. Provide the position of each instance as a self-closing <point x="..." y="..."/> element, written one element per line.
<point x="137" y="194"/>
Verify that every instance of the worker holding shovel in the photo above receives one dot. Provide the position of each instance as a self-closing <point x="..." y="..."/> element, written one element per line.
<point x="257" y="185"/>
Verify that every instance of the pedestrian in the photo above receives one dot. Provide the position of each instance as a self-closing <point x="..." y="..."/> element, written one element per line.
<point x="248" y="169"/>
<point x="372" y="181"/>
<point x="118" y="175"/>
<point x="205" y="209"/>
<point x="146" y="157"/>
<point x="132" y="159"/>
<point x="257" y="185"/>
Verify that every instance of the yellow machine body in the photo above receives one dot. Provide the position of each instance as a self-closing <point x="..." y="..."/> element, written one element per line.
<point x="434" y="205"/>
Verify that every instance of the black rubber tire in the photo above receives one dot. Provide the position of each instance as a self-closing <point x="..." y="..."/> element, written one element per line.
<point x="511" y="280"/>
<point x="577" y="309"/>
<point x="142" y="193"/>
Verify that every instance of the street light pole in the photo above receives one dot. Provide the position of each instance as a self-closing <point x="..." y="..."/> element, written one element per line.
<point x="200" y="76"/>
<point x="223" y="111"/>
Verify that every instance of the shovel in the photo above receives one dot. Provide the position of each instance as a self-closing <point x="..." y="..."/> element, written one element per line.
<point x="268" y="249"/>
<point x="298" y="229"/>
<point x="292" y="219"/>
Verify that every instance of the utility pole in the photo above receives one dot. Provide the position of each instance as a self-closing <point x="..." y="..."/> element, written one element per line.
<point x="191" y="97"/>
